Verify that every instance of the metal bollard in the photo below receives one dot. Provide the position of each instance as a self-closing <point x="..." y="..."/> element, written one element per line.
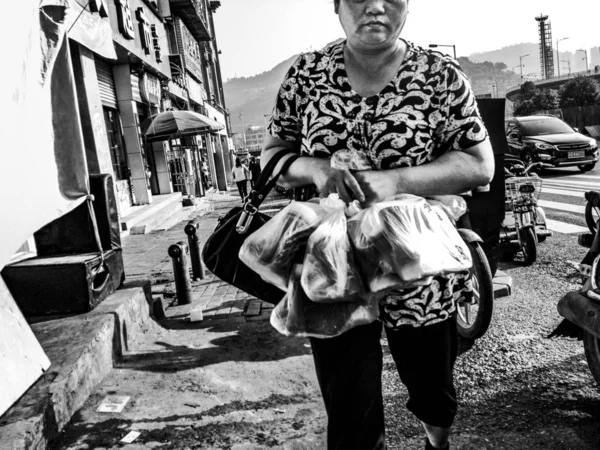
<point x="191" y="229"/>
<point x="178" y="252"/>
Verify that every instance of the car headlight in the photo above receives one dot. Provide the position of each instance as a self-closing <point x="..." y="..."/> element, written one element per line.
<point x="541" y="146"/>
<point x="593" y="143"/>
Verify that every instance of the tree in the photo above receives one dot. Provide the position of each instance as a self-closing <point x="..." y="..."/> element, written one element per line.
<point x="580" y="91"/>
<point x="535" y="100"/>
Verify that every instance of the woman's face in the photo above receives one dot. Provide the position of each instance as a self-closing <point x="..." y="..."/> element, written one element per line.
<point x="372" y="24"/>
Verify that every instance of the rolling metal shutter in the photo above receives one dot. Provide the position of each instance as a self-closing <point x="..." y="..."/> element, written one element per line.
<point x="106" y="83"/>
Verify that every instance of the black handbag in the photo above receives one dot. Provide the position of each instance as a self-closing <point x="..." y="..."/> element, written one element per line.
<point x="220" y="252"/>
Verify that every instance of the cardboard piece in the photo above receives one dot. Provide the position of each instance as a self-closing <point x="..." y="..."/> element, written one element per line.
<point x="23" y="359"/>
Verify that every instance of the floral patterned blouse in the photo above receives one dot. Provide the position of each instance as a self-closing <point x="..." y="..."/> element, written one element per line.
<point x="427" y="109"/>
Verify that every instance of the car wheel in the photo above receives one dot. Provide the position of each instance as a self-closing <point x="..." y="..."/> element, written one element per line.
<point x="586" y="167"/>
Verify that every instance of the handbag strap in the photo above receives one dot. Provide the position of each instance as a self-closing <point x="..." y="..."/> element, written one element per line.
<point x="268" y="179"/>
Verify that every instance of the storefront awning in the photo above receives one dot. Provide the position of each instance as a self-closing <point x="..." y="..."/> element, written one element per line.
<point x="174" y="124"/>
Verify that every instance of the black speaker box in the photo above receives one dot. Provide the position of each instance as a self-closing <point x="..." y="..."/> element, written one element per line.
<point x="66" y="276"/>
<point x="63" y="284"/>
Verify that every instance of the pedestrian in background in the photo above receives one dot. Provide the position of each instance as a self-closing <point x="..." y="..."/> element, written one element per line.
<point x="254" y="171"/>
<point x="409" y="116"/>
<point x="240" y="176"/>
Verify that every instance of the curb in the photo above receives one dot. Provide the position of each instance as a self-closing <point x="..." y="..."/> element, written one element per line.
<point x="82" y="350"/>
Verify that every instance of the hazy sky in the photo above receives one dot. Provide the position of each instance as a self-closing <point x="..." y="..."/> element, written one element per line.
<point x="256" y="35"/>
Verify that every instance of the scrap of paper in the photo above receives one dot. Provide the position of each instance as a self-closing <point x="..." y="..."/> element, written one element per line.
<point x="113" y="403"/>
<point x="130" y="437"/>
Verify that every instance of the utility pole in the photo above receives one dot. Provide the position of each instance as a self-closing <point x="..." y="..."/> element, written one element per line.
<point x="243" y="131"/>
<point x="521" y="65"/>
<point x="587" y="69"/>
<point x="558" y="54"/>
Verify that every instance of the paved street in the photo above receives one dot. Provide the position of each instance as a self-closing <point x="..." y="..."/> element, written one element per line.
<point x="231" y="382"/>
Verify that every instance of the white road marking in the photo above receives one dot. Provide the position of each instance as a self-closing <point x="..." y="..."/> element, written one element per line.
<point x="562" y="206"/>
<point x="563" y="182"/>
<point x="567" y="192"/>
<point x="565" y="228"/>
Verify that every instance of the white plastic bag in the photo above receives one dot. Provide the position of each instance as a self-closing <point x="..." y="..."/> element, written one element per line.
<point x="377" y="274"/>
<point x="272" y="249"/>
<point x="297" y="315"/>
<point x="415" y="240"/>
<point x="329" y="272"/>
<point x="453" y="205"/>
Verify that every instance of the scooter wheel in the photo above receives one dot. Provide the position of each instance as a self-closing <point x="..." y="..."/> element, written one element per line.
<point x="529" y="246"/>
<point x="591" y="345"/>
<point x="473" y="319"/>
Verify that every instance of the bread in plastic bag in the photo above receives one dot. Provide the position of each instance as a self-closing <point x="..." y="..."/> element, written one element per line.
<point x="453" y="205"/>
<point x="414" y="239"/>
<point x="296" y="315"/>
<point x="329" y="271"/>
<point x="377" y="274"/>
<point x="272" y="249"/>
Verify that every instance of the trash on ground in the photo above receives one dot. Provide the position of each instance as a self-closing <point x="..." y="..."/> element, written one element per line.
<point x="130" y="437"/>
<point x="113" y="403"/>
<point x="196" y="315"/>
<point x="279" y="411"/>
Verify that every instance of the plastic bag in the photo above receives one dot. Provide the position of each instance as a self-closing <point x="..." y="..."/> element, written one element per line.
<point x="297" y="315"/>
<point x="377" y="274"/>
<point x="415" y="240"/>
<point x="453" y="205"/>
<point x="272" y="250"/>
<point x="329" y="272"/>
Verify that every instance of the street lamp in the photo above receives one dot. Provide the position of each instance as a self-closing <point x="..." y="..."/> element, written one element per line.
<point x="568" y="62"/>
<point x="586" y="60"/>
<point x="558" y="54"/>
<point x="521" y="64"/>
<point x="443" y="45"/>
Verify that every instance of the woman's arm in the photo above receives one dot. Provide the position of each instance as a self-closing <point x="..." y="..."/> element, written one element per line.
<point x="454" y="172"/>
<point x="307" y="170"/>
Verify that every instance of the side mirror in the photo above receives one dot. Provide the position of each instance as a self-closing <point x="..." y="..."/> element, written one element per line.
<point x="513" y="136"/>
<point x="576" y="129"/>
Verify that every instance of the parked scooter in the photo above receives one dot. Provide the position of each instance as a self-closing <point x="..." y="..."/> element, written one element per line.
<point x="524" y="224"/>
<point x="581" y="308"/>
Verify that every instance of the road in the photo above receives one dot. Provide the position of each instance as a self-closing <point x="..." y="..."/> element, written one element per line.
<point x="517" y="389"/>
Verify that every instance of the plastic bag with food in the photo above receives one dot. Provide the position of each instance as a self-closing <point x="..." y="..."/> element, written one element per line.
<point x="453" y="205"/>
<point x="416" y="240"/>
<point x="330" y="273"/>
<point x="296" y="315"/>
<point x="376" y="272"/>
<point x="272" y="249"/>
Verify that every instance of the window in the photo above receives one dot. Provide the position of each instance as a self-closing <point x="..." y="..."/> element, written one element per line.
<point x="115" y="143"/>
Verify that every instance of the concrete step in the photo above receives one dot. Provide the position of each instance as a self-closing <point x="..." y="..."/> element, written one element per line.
<point x="138" y="215"/>
<point x="82" y="349"/>
<point x="167" y="211"/>
<point x="199" y="208"/>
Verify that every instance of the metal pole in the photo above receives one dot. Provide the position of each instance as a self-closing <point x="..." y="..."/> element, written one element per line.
<point x="191" y="229"/>
<point x="183" y="287"/>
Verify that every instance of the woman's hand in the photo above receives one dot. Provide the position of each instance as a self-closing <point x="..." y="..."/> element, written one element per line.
<point x="329" y="180"/>
<point x="376" y="185"/>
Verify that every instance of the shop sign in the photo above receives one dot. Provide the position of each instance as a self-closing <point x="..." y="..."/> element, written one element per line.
<point x="125" y="19"/>
<point x="156" y="43"/>
<point x="150" y="88"/>
<point x="177" y="90"/>
<point x="144" y="27"/>
<point x="191" y="51"/>
<point x="100" y="7"/>
<point x="194" y="90"/>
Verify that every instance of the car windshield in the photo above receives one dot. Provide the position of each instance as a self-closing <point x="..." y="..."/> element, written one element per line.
<point x="548" y="125"/>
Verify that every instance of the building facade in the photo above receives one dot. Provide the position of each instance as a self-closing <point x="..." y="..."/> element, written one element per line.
<point x="133" y="59"/>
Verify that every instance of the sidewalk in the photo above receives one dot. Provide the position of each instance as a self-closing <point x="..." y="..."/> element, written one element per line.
<point x="229" y="381"/>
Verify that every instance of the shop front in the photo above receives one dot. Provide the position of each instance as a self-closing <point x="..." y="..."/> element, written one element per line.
<point x="142" y="66"/>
